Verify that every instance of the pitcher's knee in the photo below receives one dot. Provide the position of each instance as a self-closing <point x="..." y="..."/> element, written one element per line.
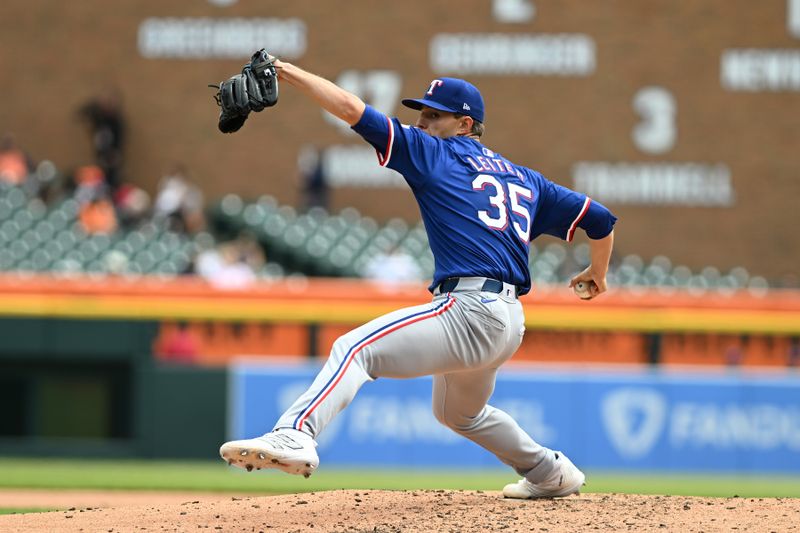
<point x="438" y="413"/>
<point x="455" y="421"/>
<point x="340" y="347"/>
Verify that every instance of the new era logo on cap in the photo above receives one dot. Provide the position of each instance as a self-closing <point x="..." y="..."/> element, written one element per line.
<point x="451" y="94"/>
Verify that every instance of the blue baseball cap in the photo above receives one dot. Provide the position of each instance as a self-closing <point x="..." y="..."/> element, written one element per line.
<point x="453" y="95"/>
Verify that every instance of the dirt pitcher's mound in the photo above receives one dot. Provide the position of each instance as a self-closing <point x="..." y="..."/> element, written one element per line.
<point x="427" y="511"/>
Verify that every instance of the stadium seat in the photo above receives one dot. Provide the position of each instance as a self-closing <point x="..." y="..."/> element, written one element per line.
<point x="41" y="237"/>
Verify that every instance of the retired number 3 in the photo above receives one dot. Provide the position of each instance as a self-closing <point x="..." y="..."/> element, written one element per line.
<point x="498" y="201"/>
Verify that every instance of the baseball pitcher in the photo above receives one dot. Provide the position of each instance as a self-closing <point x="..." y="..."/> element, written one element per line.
<point x="480" y="211"/>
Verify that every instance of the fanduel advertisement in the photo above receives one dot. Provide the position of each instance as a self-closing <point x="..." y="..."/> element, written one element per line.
<point x="648" y="420"/>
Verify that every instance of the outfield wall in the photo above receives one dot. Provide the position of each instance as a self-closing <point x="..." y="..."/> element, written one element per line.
<point x="623" y="420"/>
<point x="82" y="371"/>
<point x="682" y="113"/>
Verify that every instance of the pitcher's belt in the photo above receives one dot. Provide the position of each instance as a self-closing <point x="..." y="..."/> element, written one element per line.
<point x="476" y="284"/>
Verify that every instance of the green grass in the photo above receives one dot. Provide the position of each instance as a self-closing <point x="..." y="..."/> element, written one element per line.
<point x="216" y="476"/>
<point x="718" y="485"/>
<point x="23" y="510"/>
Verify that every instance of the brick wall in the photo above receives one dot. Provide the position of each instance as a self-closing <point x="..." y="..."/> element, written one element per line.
<point x="54" y="55"/>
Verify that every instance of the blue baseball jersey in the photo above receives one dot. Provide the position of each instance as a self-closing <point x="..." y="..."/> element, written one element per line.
<point x="480" y="210"/>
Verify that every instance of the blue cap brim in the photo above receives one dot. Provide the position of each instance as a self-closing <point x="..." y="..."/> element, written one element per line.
<point x="417" y="103"/>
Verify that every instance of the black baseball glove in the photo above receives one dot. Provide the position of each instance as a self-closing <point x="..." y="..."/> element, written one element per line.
<point x="252" y="90"/>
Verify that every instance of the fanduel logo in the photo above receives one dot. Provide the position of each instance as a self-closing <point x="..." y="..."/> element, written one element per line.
<point x="634" y="419"/>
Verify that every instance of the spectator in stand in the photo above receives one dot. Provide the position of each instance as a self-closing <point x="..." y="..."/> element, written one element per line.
<point x="15" y="165"/>
<point x="222" y="268"/>
<point x="249" y="251"/>
<point x="97" y="216"/>
<point x="179" y="201"/>
<point x="89" y="181"/>
<point x="393" y="267"/>
<point x="313" y="180"/>
<point x="106" y="121"/>
<point x="96" y="212"/>
<point x="132" y="203"/>
<point x="231" y="264"/>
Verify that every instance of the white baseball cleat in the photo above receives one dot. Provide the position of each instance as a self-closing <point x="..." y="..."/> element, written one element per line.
<point x="288" y="450"/>
<point x="566" y="480"/>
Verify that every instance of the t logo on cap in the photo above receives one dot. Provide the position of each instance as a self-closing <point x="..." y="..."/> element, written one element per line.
<point x="434" y="84"/>
<point x="451" y="94"/>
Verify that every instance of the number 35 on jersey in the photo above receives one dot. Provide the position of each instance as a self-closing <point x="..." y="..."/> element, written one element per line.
<point x="497" y="217"/>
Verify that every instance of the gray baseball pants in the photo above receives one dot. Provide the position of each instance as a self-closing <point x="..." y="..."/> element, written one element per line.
<point x="461" y="338"/>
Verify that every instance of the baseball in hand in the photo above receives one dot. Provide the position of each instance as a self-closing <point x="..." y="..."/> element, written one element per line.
<point x="584" y="290"/>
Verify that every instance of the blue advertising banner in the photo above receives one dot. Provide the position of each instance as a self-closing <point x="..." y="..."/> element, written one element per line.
<point x="637" y="420"/>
